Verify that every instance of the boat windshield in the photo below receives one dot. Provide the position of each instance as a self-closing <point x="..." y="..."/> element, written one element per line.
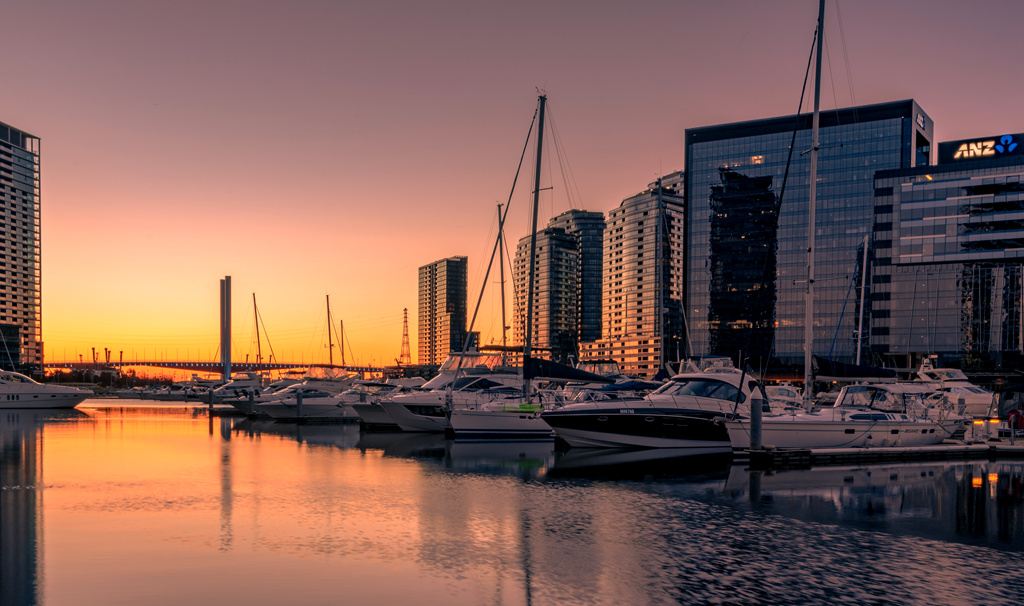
<point x="865" y="396"/>
<point x="13" y="377"/>
<point x="471" y="360"/>
<point x="705" y="388"/>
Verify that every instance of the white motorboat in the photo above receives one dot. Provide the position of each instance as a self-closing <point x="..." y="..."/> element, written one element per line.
<point x="482" y="378"/>
<point x="319" y="405"/>
<point x="882" y="414"/>
<point x="240" y="386"/>
<point x="686" y="412"/>
<point x="20" y="391"/>
<point x="952" y="383"/>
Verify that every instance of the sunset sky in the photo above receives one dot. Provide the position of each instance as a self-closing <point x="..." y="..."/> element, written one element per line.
<point x="331" y="148"/>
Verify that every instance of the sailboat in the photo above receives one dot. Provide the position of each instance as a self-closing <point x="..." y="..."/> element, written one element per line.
<point x="863" y="415"/>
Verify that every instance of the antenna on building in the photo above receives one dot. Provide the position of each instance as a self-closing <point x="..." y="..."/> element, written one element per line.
<point x="406" y="358"/>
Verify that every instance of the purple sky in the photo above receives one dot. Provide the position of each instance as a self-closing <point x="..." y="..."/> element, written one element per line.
<point x="312" y="148"/>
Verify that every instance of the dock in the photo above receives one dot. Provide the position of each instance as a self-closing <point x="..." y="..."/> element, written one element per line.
<point x="780" y="458"/>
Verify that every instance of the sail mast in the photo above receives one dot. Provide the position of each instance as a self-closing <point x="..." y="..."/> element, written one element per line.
<point x="501" y="265"/>
<point x="256" y="317"/>
<point x="812" y="187"/>
<point x="330" y="327"/>
<point x="533" y="251"/>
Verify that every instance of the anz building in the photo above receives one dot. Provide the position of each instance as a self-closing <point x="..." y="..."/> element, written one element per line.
<point x="948" y="257"/>
<point x="747" y="202"/>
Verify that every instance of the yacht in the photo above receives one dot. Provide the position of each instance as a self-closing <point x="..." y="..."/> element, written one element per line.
<point x="19" y="391"/>
<point x="240" y="385"/>
<point x="952" y="383"/>
<point x="686" y="412"/>
<point x="481" y="379"/>
<point x="319" y="405"/>
<point x="881" y="414"/>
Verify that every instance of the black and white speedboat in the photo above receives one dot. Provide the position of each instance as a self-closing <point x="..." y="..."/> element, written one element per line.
<point x="687" y="412"/>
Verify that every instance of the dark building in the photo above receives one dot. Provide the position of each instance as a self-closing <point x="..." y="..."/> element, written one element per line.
<point x="746" y="239"/>
<point x="587" y="230"/>
<point x="948" y="258"/>
<point x="442" y="308"/>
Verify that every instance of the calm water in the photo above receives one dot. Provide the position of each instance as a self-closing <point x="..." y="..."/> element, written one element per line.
<point x="114" y="504"/>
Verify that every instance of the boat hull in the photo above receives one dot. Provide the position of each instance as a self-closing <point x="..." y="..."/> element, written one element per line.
<point x="417" y="417"/>
<point x="790" y="432"/>
<point x="44" y="399"/>
<point x="288" y="410"/>
<point x="642" y="428"/>
<point x="373" y="416"/>
<point x="499" y="425"/>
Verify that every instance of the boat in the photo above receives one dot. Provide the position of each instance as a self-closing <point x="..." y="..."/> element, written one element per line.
<point x="687" y="412"/>
<point x="952" y="383"/>
<point x="429" y="410"/>
<point x="511" y="414"/>
<point x="20" y="391"/>
<point x="871" y="415"/>
<point x="323" y="406"/>
<point x="240" y="386"/>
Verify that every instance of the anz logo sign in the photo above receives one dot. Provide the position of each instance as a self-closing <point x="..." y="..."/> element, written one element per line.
<point x="986" y="148"/>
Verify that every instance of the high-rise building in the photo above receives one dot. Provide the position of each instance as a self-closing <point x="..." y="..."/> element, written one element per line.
<point x="748" y="223"/>
<point x="946" y="267"/>
<point x="642" y="291"/>
<point x="567" y="284"/>
<point x="555" y="327"/>
<point x="21" y="270"/>
<point x="587" y="230"/>
<point x="442" y="308"/>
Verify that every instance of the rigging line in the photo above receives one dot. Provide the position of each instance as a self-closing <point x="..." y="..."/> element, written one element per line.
<point x="501" y="225"/>
<point x="842" y="313"/>
<point x="846" y="57"/>
<point x="571" y="187"/>
<point x="832" y="81"/>
<point x="782" y="190"/>
<point x="561" y="166"/>
<point x="265" y="334"/>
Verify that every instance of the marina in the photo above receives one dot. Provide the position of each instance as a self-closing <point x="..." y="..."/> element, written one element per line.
<point x="121" y="502"/>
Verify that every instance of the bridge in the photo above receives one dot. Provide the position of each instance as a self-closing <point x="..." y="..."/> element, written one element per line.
<point x="215" y="367"/>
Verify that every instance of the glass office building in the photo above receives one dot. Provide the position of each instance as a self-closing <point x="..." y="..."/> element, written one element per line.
<point x="20" y="263"/>
<point x="948" y="258"/>
<point x="746" y="238"/>
<point x="442" y="308"/>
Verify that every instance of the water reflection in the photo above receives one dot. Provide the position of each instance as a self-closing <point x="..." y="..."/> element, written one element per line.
<point x="169" y="506"/>
<point x="21" y="484"/>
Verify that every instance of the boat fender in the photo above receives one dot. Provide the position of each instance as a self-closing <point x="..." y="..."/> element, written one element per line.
<point x="1016" y="419"/>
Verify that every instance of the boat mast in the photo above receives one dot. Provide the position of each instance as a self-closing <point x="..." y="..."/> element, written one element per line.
<point x="812" y="187"/>
<point x="501" y="264"/>
<point x="863" y="289"/>
<point x="256" y="317"/>
<point x="330" y="327"/>
<point x="542" y="99"/>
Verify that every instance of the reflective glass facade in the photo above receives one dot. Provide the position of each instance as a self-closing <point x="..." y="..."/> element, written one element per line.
<point x="746" y="240"/>
<point x="442" y="308"/>
<point x="20" y="263"/>
<point x="643" y="281"/>
<point x="947" y="264"/>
